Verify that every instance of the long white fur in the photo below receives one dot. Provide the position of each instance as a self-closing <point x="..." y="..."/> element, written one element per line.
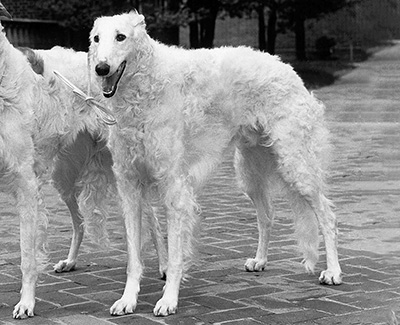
<point x="16" y="162"/>
<point x="178" y="111"/>
<point x="47" y="132"/>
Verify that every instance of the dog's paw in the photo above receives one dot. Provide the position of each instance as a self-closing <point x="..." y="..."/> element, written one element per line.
<point x="163" y="271"/>
<point x="255" y="265"/>
<point x="163" y="275"/>
<point x="165" y="307"/>
<point x="23" y="310"/>
<point x="123" y="306"/>
<point x="64" y="266"/>
<point x="330" y="278"/>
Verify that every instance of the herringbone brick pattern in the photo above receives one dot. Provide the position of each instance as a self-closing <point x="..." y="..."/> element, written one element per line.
<point x="363" y="112"/>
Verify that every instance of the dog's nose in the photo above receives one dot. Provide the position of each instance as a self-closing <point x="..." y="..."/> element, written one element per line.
<point x="102" y="69"/>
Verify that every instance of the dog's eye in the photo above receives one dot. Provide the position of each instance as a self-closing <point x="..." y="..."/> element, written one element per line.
<point x="96" y="39"/>
<point x="120" y="37"/>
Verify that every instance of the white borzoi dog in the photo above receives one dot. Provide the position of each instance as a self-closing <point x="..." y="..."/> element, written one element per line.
<point x="177" y="112"/>
<point x="17" y="175"/>
<point x="48" y="133"/>
<point x="44" y="136"/>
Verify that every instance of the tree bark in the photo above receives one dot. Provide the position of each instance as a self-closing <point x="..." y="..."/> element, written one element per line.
<point x="194" y="34"/>
<point x="207" y="28"/>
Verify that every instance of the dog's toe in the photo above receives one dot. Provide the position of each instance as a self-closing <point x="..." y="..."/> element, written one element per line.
<point x="22" y="310"/>
<point x="122" y="307"/>
<point x="64" y="266"/>
<point x="330" y="278"/>
<point x="165" y="307"/>
<point x="255" y="265"/>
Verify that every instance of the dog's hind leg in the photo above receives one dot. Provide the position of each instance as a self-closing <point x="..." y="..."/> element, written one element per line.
<point x="306" y="229"/>
<point x="69" y="263"/>
<point x="307" y="206"/>
<point x="65" y="178"/>
<point x="82" y="176"/>
<point x="253" y="170"/>
<point x="299" y="163"/>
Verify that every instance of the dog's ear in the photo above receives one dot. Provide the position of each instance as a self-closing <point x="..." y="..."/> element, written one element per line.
<point x="138" y="19"/>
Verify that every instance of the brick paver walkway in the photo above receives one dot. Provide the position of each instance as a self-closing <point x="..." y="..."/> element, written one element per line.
<point x="364" y="114"/>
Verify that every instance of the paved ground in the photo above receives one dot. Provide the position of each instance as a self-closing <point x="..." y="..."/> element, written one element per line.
<point x="364" y="114"/>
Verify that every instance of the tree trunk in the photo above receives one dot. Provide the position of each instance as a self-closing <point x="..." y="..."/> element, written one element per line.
<point x="207" y="26"/>
<point x="262" y="44"/>
<point x="207" y="32"/>
<point x="173" y="31"/>
<point x="194" y="34"/>
<point x="300" y="32"/>
<point x="272" y="19"/>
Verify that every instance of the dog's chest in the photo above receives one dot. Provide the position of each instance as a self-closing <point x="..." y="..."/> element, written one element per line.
<point x="134" y="154"/>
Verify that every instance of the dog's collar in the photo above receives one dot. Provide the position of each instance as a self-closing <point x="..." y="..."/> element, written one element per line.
<point x="102" y="112"/>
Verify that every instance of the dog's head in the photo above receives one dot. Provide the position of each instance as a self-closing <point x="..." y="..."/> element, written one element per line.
<point x="111" y="42"/>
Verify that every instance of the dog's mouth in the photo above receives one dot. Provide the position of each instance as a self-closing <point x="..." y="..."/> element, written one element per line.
<point x="110" y="83"/>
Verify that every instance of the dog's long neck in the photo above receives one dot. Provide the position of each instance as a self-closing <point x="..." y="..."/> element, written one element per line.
<point x="140" y="86"/>
<point x="15" y="77"/>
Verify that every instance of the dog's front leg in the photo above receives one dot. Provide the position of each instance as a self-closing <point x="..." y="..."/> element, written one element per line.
<point x="132" y="210"/>
<point x="27" y="204"/>
<point x="168" y="304"/>
<point x="181" y="217"/>
<point x="158" y="239"/>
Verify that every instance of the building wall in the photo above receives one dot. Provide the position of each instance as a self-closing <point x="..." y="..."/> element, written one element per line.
<point x="22" y="8"/>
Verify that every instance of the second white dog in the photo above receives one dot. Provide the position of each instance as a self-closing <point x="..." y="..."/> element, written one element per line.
<point x="177" y="112"/>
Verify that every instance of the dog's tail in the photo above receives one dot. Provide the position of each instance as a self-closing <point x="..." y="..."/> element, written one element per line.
<point x="306" y="230"/>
